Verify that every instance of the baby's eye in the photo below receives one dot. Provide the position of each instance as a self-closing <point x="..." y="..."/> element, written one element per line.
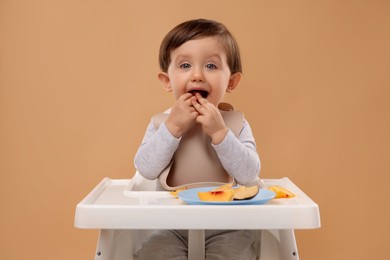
<point x="211" y="66"/>
<point x="185" y="66"/>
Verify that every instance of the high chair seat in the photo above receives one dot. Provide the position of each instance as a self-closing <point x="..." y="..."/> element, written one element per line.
<point x="125" y="212"/>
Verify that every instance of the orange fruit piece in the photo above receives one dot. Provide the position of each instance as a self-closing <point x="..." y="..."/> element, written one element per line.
<point x="281" y="192"/>
<point x="175" y="192"/>
<point x="216" y="196"/>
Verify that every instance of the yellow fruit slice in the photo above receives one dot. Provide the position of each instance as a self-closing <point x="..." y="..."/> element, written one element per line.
<point x="281" y="192"/>
<point x="175" y="192"/>
<point x="216" y="196"/>
<point x="226" y="186"/>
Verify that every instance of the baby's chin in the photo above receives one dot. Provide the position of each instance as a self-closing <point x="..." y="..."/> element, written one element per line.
<point x="203" y="93"/>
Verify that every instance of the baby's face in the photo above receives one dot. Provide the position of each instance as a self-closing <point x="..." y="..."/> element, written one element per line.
<point x="200" y="66"/>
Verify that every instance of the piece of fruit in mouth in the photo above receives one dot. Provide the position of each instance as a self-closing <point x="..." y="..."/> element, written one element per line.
<point x="203" y="93"/>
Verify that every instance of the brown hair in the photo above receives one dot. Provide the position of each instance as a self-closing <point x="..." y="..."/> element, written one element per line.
<point x="197" y="29"/>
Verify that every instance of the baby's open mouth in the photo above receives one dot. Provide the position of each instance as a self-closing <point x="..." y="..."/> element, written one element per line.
<point x="203" y="93"/>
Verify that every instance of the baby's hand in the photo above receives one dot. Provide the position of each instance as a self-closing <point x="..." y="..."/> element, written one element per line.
<point x="182" y="116"/>
<point x="210" y="118"/>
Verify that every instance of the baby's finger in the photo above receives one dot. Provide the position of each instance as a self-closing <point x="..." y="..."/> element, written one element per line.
<point x="196" y="105"/>
<point x="192" y="110"/>
<point x="201" y="99"/>
<point x="185" y="96"/>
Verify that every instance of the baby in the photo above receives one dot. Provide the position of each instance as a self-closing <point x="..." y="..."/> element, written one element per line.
<point x="200" y="62"/>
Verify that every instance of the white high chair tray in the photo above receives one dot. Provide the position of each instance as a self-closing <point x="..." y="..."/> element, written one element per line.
<point x="107" y="207"/>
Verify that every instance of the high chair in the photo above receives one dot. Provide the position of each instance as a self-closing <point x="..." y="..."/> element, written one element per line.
<point x="125" y="212"/>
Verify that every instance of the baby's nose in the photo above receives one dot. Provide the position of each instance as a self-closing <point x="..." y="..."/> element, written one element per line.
<point x="197" y="75"/>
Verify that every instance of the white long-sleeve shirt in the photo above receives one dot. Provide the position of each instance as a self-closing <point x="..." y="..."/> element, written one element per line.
<point x="238" y="155"/>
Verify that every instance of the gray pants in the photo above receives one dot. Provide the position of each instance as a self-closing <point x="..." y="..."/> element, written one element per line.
<point x="219" y="245"/>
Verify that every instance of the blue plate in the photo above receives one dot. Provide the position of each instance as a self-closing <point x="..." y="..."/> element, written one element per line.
<point x="190" y="196"/>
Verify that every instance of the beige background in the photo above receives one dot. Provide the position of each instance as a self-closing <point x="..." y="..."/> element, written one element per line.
<point x="78" y="86"/>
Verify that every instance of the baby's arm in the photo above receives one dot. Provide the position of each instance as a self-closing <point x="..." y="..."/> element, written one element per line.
<point x="156" y="151"/>
<point x="239" y="156"/>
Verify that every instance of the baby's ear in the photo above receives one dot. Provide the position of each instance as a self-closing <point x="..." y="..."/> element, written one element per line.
<point x="233" y="81"/>
<point x="164" y="78"/>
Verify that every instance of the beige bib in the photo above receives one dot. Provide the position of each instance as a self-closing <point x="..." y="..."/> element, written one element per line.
<point x="195" y="162"/>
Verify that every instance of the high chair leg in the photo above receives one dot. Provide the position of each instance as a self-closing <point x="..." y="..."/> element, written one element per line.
<point x="288" y="244"/>
<point x="196" y="244"/>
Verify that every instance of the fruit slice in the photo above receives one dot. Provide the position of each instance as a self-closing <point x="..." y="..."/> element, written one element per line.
<point x="175" y="192"/>
<point x="226" y="186"/>
<point x="217" y="196"/>
<point x="281" y="192"/>
<point x="245" y="193"/>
